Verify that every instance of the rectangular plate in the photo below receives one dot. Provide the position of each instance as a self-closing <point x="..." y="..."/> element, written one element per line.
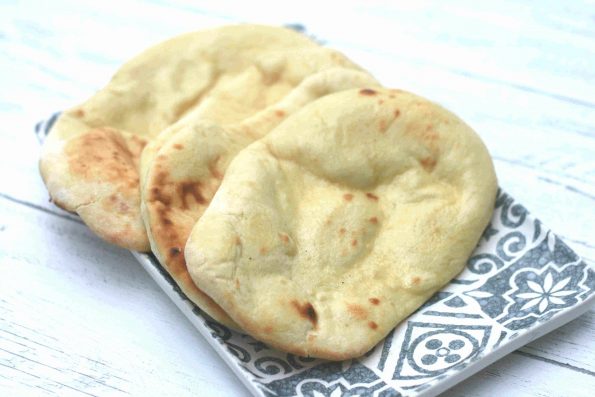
<point x="520" y="283"/>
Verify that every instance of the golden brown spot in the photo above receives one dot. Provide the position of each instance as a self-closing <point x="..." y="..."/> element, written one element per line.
<point x="175" y="251"/>
<point x="416" y="280"/>
<point x="367" y="91"/>
<point x="279" y="113"/>
<point x="348" y="196"/>
<point x="79" y="113"/>
<point x="306" y="311"/>
<point x="372" y="325"/>
<point x="353" y="242"/>
<point x="374" y="301"/>
<point x="238" y="241"/>
<point x="123" y="207"/>
<point x="382" y="125"/>
<point x="237" y="283"/>
<point x="372" y="196"/>
<point x="263" y="250"/>
<point x="342" y="231"/>
<point x="428" y="163"/>
<point x="113" y="198"/>
<point x="178" y="146"/>
<point x="190" y="189"/>
<point x="118" y="169"/>
<point x="430" y="135"/>
<point x="268" y="329"/>
<point x="373" y="220"/>
<point x="380" y="101"/>
<point x="157" y="195"/>
<point x="357" y="311"/>
<point x="397" y="113"/>
<point x="161" y="177"/>
<point x="165" y="222"/>
<point x="284" y="237"/>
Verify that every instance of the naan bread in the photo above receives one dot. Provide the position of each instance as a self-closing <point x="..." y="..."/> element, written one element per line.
<point x="95" y="174"/>
<point x="90" y="161"/>
<point x="186" y="163"/>
<point x="343" y="220"/>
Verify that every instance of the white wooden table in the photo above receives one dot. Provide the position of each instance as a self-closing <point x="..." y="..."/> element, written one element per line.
<point x="80" y="317"/>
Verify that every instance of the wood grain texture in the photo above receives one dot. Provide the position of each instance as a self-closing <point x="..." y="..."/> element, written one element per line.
<point x="515" y="376"/>
<point x="89" y="319"/>
<point x="79" y="317"/>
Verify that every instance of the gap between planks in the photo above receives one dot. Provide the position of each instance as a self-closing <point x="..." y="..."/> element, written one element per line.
<point x="554" y="362"/>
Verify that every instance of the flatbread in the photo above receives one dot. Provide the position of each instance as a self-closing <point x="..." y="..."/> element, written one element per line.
<point x="95" y="174"/>
<point x="343" y="220"/>
<point x="186" y="163"/>
<point x="224" y="74"/>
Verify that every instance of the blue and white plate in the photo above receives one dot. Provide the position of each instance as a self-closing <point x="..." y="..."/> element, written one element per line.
<point x="520" y="283"/>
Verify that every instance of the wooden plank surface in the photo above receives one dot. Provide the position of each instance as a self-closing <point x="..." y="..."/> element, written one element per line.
<point x="78" y="316"/>
<point x="522" y="75"/>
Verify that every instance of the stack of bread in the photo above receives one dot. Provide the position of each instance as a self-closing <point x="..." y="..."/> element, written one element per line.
<point x="285" y="190"/>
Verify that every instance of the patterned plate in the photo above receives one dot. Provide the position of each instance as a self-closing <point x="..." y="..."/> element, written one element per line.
<point x="520" y="283"/>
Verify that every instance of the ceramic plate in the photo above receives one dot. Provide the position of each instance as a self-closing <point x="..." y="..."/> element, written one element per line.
<point x="520" y="283"/>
